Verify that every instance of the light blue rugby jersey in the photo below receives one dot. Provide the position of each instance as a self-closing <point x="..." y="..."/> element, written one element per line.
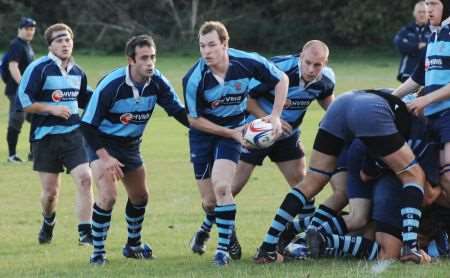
<point x="43" y="81"/>
<point x="434" y="69"/>
<point x="299" y="96"/>
<point x="225" y="104"/>
<point x="118" y="109"/>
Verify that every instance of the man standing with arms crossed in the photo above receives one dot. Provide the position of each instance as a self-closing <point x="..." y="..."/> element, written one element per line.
<point x="18" y="57"/>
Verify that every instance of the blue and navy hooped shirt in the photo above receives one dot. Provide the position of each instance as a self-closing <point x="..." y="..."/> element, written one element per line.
<point x="119" y="108"/>
<point x="44" y="81"/>
<point x="433" y="72"/>
<point x="225" y="104"/>
<point x="300" y="95"/>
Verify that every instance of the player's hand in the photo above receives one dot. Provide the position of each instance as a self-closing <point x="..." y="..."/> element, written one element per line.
<point x="277" y="128"/>
<point x="238" y="134"/>
<point x="416" y="106"/>
<point x="422" y="45"/>
<point x="60" y="111"/>
<point x="287" y="128"/>
<point x="111" y="166"/>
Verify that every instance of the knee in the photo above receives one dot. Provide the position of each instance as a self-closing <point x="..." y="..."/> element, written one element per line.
<point x="222" y="189"/>
<point x="356" y="221"/>
<point x="85" y="182"/>
<point x="296" y="178"/>
<point x="50" y="194"/>
<point x="141" y="198"/>
<point x="107" y="201"/>
<point x="208" y="206"/>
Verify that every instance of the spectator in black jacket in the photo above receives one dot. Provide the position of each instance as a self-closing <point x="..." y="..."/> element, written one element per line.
<point x="411" y="40"/>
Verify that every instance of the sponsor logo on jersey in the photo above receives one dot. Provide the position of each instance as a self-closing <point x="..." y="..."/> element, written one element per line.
<point x="59" y="95"/>
<point x="134" y="118"/>
<point x="434" y="63"/>
<point x="296" y="104"/>
<point x="228" y="100"/>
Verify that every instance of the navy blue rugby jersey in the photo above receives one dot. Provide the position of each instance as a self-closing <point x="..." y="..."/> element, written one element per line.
<point x="45" y="82"/>
<point x="300" y="96"/>
<point x="225" y="104"/>
<point x="119" y="108"/>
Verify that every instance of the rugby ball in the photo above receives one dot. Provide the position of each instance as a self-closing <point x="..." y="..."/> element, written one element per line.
<point x="259" y="134"/>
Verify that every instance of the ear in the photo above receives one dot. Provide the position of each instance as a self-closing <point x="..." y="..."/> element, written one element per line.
<point x="131" y="61"/>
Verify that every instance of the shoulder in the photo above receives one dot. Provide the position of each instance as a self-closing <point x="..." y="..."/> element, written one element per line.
<point x="40" y="64"/>
<point x="245" y="56"/>
<point x="195" y="72"/>
<point x="79" y="70"/>
<point x="112" y="79"/>
<point x="329" y="75"/>
<point x="286" y="62"/>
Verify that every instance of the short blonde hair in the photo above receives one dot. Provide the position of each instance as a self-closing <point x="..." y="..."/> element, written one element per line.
<point x="48" y="34"/>
<point x="317" y="46"/>
<point x="217" y="26"/>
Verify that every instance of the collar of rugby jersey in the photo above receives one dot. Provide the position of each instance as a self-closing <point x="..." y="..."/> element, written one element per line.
<point x="129" y="82"/>
<point x="58" y="62"/>
<point x="302" y="82"/>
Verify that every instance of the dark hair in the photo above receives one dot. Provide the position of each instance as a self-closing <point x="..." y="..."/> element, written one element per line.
<point x="48" y="34"/>
<point x="133" y="42"/>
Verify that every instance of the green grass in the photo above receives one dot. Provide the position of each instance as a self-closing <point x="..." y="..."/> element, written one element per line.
<point x="175" y="211"/>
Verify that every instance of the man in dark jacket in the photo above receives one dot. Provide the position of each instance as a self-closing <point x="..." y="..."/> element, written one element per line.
<point x="19" y="56"/>
<point x="411" y="40"/>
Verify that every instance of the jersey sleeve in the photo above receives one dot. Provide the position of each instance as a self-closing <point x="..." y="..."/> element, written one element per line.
<point x="167" y="97"/>
<point x="419" y="74"/>
<point x="85" y="93"/>
<point x="191" y="85"/>
<point x="30" y="86"/>
<point x="330" y="83"/>
<point x="99" y="104"/>
<point x="266" y="72"/>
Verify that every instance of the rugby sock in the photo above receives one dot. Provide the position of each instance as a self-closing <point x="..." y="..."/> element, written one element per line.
<point x="50" y="220"/>
<point x="300" y="224"/>
<point x="302" y="221"/>
<point x="101" y="220"/>
<point x="356" y="246"/>
<point x="208" y="222"/>
<point x="12" y="137"/>
<point x="411" y="214"/>
<point x="134" y="215"/>
<point x="327" y="221"/>
<point x="225" y="219"/>
<point x="290" y="207"/>
<point x="84" y="228"/>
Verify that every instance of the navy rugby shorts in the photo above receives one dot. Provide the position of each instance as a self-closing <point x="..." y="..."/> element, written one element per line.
<point x="127" y="152"/>
<point x="205" y="148"/>
<point x="282" y="150"/>
<point x="55" y="152"/>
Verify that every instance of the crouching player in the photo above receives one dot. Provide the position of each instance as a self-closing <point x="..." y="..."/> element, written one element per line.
<point x="381" y="121"/>
<point x="113" y="124"/>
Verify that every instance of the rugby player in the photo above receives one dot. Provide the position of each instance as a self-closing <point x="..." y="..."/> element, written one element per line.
<point x="52" y="88"/>
<point x="381" y="121"/>
<point x="113" y="124"/>
<point x="216" y="90"/>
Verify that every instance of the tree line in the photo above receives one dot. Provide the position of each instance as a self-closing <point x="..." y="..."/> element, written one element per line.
<point x="275" y="25"/>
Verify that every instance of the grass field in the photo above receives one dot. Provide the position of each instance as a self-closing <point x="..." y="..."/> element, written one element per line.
<point x="175" y="212"/>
